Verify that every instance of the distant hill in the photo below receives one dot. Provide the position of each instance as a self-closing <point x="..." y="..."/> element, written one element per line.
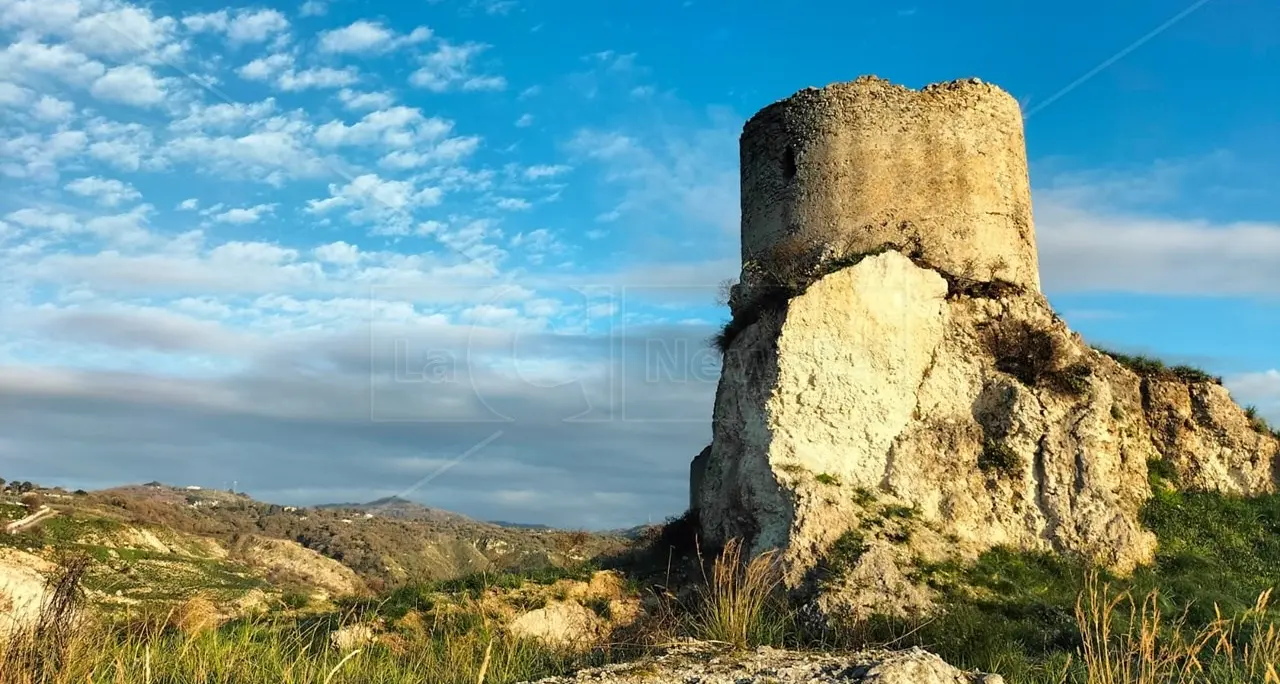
<point x="520" y="526"/>
<point x="400" y="509"/>
<point x="387" y="541"/>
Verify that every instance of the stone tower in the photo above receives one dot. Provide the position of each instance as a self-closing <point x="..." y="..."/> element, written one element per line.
<point x="855" y="166"/>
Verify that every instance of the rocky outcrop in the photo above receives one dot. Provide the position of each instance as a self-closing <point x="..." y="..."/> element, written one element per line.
<point x="899" y="404"/>
<point x="285" y="558"/>
<point x="707" y="664"/>
<point x="1209" y="441"/>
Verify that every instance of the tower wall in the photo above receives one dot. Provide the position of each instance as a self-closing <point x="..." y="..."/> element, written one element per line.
<point x="853" y="166"/>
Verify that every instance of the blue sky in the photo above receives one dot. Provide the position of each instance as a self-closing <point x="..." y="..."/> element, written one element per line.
<point x="469" y="250"/>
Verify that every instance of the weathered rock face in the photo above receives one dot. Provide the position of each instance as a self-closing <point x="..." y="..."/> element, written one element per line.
<point x="707" y="664"/>
<point x="1209" y="441"/>
<point x="986" y="418"/>
<point x="877" y="409"/>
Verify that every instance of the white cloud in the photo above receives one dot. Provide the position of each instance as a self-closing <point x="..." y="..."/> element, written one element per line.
<point x="189" y="204"/>
<point x="252" y="253"/>
<point x="313" y="8"/>
<point x="123" y="31"/>
<point x="539" y="171"/>
<point x="242" y="26"/>
<point x="12" y="95"/>
<point x="339" y="253"/>
<point x="30" y="217"/>
<point x="513" y="204"/>
<point x="107" y="191"/>
<point x="129" y="228"/>
<point x="49" y="108"/>
<point x="126" y="229"/>
<point x="525" y="121"/>
<point x="396" y="127"/>
<point x="223" y="115"/>
<point x="372" y="199"/>
<point x="279" y="69"/>
<point x="358" y="101"/>
<point x="449" y="67"/>
<point x="266" y="68"/>
<point x="1260" y="389"/>
<point x="1096" y="249"/>
<point x="272" y="154"/>
<point x="126" y="146"/>
<point x="447" y="150"/>
<point x="132" y="84"/>
<point x="256" y="26"/>
<point x="29" y="61"/>
<point x="38" y="156"/>
<point x="689" y="173"/>
<point x="244" y="215"/>
<point x="320" y="77"/>
<point x="364" y="37"/>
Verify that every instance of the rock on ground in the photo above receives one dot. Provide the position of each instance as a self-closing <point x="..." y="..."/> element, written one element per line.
<point x="352" y="637"/>
<point x="705" y="664"/>
<point x="561" y="624"/>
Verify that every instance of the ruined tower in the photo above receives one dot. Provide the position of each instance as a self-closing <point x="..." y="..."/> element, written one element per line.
<point x="855" y="166"/>
<point x="893" y="380"/>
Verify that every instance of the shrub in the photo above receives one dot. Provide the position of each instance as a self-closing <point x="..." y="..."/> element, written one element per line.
<point x="1260" y="424"/>
<point x="1037" y="358"/>
<point x="999" y="458"/>
<point x="770" y="300"/>
<point x="679" y="536"/>
<point x="827" y="479"/>
<point x="1159" y="469"/>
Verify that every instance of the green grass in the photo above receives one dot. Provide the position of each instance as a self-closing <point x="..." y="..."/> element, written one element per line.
<point x="460" y="643"/>
<point x="1013" y="612"/>
<point x="1147" y="366"/>
<point x="425" y="596"/>
<point x="287" y="652"/>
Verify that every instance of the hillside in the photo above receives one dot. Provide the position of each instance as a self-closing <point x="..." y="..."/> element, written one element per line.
<point x="162" y="542"/>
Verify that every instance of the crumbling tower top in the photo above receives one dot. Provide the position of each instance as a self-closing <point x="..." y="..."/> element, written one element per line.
<point x="941" y="172"/>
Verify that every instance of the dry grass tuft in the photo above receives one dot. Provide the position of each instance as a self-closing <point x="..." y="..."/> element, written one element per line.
<point x="740" y="604"/>
<point x="1125" y="641"/>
